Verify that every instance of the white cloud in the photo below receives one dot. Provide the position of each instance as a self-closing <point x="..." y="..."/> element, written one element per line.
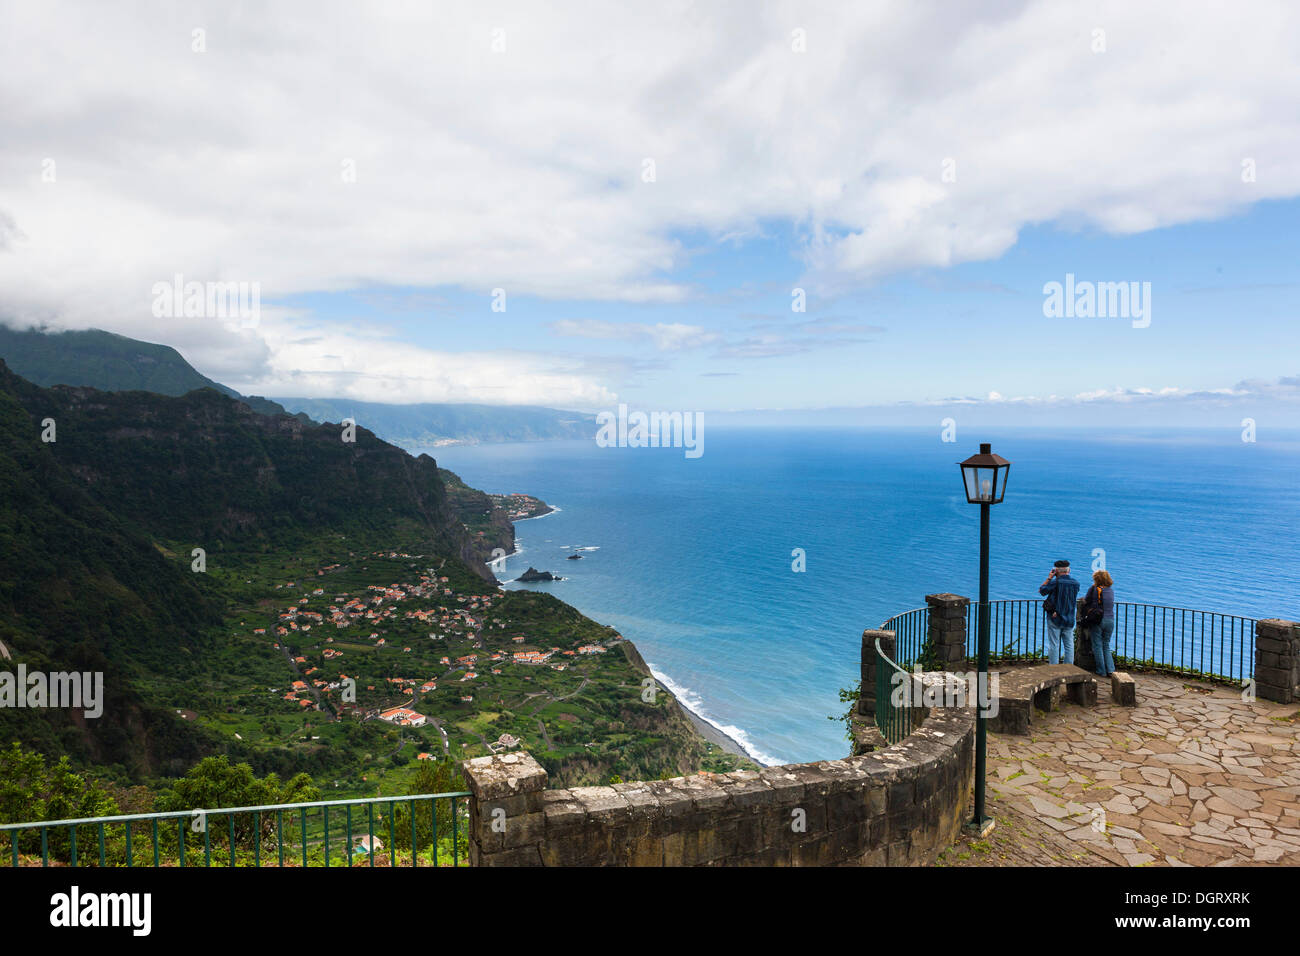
<point x="1286" y="390"/>
<point x="366" y="368"/>
<point x="523" y="169"/>
<point x="666" y="336"/>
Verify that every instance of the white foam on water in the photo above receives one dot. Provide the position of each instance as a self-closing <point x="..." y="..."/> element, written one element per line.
<point x="695" y="704"/>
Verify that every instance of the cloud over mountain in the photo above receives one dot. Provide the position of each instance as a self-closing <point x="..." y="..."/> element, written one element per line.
<point x="563" y="153"/>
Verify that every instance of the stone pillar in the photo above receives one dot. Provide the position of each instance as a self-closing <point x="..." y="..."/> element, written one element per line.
<point x="1277" y="660"/>
<point x="506" y="809"/>
<point x="947" y="635"/>
<point x="867" y="692"/>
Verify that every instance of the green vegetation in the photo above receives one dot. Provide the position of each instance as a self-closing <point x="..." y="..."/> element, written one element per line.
<point x="427" y="644"/>
<point x="849" y="696"/>
<point x="321" y="561"/>
<point x="32" y="789"/>
<point x="110" y="363"/>
<point x="197" y="832"/>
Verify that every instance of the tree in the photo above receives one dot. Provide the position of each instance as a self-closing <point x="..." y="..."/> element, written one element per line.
<point x="432" y="776"/>
<point x="214" y="783"/>
<point x="32" y="791"/>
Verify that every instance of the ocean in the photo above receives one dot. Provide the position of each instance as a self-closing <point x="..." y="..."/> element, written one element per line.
<point x="692" y="559"/>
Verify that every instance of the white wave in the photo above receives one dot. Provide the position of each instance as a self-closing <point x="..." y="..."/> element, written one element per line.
<point x="695" y="704"/>
<point x="554" y="510"/>
<point x="498" y="567"/>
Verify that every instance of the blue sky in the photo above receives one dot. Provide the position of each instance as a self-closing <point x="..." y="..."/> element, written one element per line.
<point x="1224" y="300"/>
<point x="649" y="184"/>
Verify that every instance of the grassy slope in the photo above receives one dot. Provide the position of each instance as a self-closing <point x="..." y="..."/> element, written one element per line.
<point x="98" y="530"/>
<point x="109" y="362"/>
<point x="597" y="724"/>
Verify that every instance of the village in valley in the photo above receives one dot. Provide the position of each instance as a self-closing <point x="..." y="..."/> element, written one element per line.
<point x="370" y="663"/>
<point x="391" y="652"/>
<point x="452" y="625"/>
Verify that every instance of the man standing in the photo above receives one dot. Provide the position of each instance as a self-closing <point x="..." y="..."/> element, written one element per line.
<point x="1062" y="590"/>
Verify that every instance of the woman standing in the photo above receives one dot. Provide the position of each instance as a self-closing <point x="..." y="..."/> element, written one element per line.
<point x="1103" y="593"/>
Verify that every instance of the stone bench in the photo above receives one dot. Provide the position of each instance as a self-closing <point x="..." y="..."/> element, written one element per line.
<point x="1025" y="689"/>
<point x="1123" y="689"/>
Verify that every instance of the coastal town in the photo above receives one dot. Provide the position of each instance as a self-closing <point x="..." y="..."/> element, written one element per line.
<point x="520" y="507"/>
<point x="447" y="663"/>
<point x="416" y="619"/>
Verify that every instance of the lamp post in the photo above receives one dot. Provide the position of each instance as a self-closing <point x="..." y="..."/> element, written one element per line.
<point x="985" y="478"/>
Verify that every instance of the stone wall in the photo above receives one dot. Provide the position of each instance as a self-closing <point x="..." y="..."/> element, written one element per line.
<point x="895" y="805"/>
<point x="1277" y="660"/>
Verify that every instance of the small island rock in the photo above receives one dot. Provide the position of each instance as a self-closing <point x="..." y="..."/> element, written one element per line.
<point x="532" y="574"/>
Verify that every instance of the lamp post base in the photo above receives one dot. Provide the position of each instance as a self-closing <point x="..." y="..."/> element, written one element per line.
<point x="979" y="829"/>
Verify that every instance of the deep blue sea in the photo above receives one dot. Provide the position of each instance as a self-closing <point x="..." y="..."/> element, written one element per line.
<point x="693" y="562"/>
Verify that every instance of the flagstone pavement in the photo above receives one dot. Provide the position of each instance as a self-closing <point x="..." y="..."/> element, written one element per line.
<point x="1192" y="776"/>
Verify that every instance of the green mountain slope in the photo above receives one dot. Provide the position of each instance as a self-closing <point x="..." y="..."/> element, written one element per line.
<point x="82" y="590"/>
<point x="206" y="471"/>
<point x="109" y="362"/>
<point x="315" y="548"/>
<point x="97" y="527"/>
<point x="116" y="363"/>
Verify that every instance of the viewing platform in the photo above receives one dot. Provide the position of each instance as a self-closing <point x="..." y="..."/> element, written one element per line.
<point x="1199" y="767"/>
<point x="1191" y="775"/>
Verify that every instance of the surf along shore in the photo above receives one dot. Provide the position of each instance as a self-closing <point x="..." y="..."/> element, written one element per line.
<point x="705" y="728"/>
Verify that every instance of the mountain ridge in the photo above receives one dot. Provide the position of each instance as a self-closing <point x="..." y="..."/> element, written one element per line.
<point x="204" y="558"/>
<point x="108" y="361"/>
<point x="106" y="495"/>
<point x="428" y="424"/>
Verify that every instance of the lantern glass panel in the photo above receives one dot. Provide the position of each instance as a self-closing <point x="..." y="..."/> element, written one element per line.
<point x="981" y="483"/>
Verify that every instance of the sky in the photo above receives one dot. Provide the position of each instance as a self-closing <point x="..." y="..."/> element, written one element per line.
<point x="853" y="210"/>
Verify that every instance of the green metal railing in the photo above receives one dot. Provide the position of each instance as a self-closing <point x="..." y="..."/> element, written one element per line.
<point x="902" y="695"/>
<point x="895" y="717"/>
<point x="910" y="635"/>
<point x="1151" y="636"/>
<point x="286" y="834"/>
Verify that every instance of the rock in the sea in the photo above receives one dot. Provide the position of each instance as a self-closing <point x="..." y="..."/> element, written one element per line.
<point x="532" y="574"/>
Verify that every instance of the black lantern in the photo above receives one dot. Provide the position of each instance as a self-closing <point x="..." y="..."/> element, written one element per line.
<point x="985" y="476"/>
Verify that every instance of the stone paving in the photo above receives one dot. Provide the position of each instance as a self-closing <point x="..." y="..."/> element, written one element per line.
<point x="1019" y="839"/>
<point x="1192" y="776"/>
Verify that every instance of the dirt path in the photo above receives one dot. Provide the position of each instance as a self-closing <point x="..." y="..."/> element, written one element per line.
<point x="551" y="699"/>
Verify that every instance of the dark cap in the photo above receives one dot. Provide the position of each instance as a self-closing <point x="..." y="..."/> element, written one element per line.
<point x="1062" y="563"/>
